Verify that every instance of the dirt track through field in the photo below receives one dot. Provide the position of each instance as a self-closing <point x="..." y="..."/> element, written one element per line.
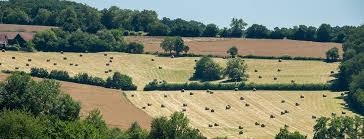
<point x="116" y="109"/>
<point x="259" y="47"/>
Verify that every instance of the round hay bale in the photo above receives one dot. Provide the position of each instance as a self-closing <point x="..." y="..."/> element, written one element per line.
<point x="212" y="110"/>
<point x="332" y="72"/>
<point x="76" y="65"/>
<point x="29" y="60"/>
<point x="286" y="111"/>
<point x="216" y="124"/>
<point x="144" y="107"/>
<point x="61" y="52"/>
<point x="105" y="54"/>
<point x="27" y="65"/>
<point x="324" y="95"/>
<point x="286" y="126"/>
<point x="241" y="98"/>
<point x="314" y="117"/>
<point x="184" y="105"/>
<point x="210" y="125"/>
<point x="236" y="89"/>
<point x="257" y="123"/>
<point x="160" y="67"/>
<point x="240" y="127"/>
<point x="343" y="112"/>
<point x="152" y="59"/>
<point x="297" y="104"/>
<point x="260" y="77"/>
<point x="211" y="92"/>
<point x="3" y="50"/>
<point x="255" y="70"/>
<point x="110" y="70"/>
<point x="207" y="108"/>
<point x="196" y="60"/>
<point x="247" y="105"/>
<point x="302" y="96"/>
<point x="162" y="106"/>
<point x="208" y="91"/>
<point x="106" y="71"/>
<point x="283" y="101"/>
<point x="48" y="60"/>
<point x="254" y="89"/>
<point x="55" y="64"/>
<point x="111" y="57"/>
<point x="71" y="64"/>
<point x="272" y="116"/>
<point x="282" y="113"/>
<point x="279" y="60"/>
<point x="81" y="55"/>
<point x="292" y="81"/>
<point x="275" y="78"/>
<point x="13" y="57"/>
<point x="16" y="68"/>
<point x="64" y="58"/>
<point x="132" y="95"/>
<point x="241" y="132"/>
<point x="191" y="93"/>
<point x="1" y="64"/>
<point x="182" y="90"/>
<point x="228" y="107"/>
<point x="165" y="96"/>
<point x="107" y="64"/>
<point x="149" y="104"/>
<point x="263" y="125"/>
<point x="279" y="70"/>
<point x="110" y="61"/>
<point x="184" y="109"/>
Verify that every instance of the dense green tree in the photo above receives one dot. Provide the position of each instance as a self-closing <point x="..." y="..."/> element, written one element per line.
<point x="233" y="51"/>
<point x="236" y="69"/>
<point x="136" y="132"/>
<point x="237" y="27"/>
<point x="311" y="33"/>
<point x="158" y="29"/>
<point x="168" y="44"/>
<point x="224" y="32"/>
<point x="257" y="31"/>
<point x="356" y="94"/>
<point x="285" y="134"/>
<point x="120" y="81"/>
<point x="339" y="127"/>
<point x="211" y="30"/>
<point x="68" y="19"/>
<point x="323" y="33"/>
<point x="17" y="16"/>
<point x="300" y="33"/>
<point x="42" y="17"/>
<point x="175" y="127"/>
<point x="134" y="48"/>
<point x="175" y="44"/>
<point x="207" y="70"/>
<point x="276" y="34"/>
<point x="332" y="55"/>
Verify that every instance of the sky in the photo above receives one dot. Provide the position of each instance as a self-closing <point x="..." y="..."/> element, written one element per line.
<point x="271" y="13"/>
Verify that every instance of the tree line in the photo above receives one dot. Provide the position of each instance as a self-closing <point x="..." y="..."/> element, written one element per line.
<point x="72" y="16"/>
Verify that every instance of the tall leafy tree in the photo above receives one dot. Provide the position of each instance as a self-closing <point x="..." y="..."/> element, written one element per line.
<point x="332" y="55"/>
<point x="324" y="33"/>
<point x="233" y="51"/>
<point x="257" y="31"/>
<point x="237" y="27"/>
<point x="236" y="69"/>
<point x="206" y="69"/>
<point x="211" y="30"/>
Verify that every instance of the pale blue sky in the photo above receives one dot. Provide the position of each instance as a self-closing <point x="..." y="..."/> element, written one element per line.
<point x="271" y="13"/>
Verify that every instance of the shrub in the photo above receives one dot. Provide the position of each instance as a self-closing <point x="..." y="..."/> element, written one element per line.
<point x="285" y="134"/>
<point x="134" y="48"/>
<point x="120" y="81"/>
<point x="59" y="75"/>
<point x="236" y="69"/>
<point x="84" y="78"/>
<point x="233" y="51"/>
<point x="39" y="72"/>
<point x="332" y="55"/>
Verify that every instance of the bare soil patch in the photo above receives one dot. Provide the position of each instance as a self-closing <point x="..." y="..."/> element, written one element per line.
<point x="22" y="28"/>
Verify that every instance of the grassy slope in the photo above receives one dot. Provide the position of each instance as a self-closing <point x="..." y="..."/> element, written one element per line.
<point x="262" y="105"/>
<point x="143" y="70"/>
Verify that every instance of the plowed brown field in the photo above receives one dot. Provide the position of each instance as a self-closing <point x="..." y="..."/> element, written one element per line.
<point x="258" y="47"/>
<point x="22" y="28"/>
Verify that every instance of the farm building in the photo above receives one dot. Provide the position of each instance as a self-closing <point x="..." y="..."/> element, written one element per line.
<point x="10" y="38"/>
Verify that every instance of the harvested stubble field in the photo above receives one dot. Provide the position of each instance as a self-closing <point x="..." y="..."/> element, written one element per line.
<point x="258" y="47"/>
<point x="22" y="28"/>
<point x="262" y="104"/>
<point x="143" y="70"/>
<point x="116" y="109"/>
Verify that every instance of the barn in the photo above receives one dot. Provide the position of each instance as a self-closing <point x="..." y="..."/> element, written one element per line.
<point x="11" y="38"/>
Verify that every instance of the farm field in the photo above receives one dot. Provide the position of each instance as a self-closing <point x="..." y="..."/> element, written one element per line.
<point x="258" y="47"/>
<point x="262" y="104"/>
<point x="114" y="106"/>
<point x="143" y="70"/>
<point x="22" y="28"/>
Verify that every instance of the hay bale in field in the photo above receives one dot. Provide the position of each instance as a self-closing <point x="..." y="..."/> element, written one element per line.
<point x="64" y="58"/>
<point x="149" y="104"/>
<point x="279" y="60"/>
<point x="110" y="70"/>
<point x="160" y="67"/>
<point x="240" y="127"/>
<point x="27" y="64"/>
<point x="196" y="60"/>
<point x="286" y="126"/>
<point x="3" y="50"/>
<point x="207" y="108"/>
<point x="111" y="57"/>
<point x="71" y="64"/>
<point x="236" y="89"/>
<point x="144" y="107"/>
<point x="1" y="64"/>
<point x="152" y="59"/>
<point x="162" y="106"/>
<point x="247" y="105"/>
<point x="61" y="52"/>
<point x="293" y="81"/>
<point x="29" y="60"/>
<point x="106" y="71"/>
<point x="208" y="91"/>
<point x="191" y="93"/>
<point x="283" y="101"/>
<point x="16" y="68"/>
<point x="105" y="54"/>
<point x="110" y="61"/>
<point x="286" y="111"/>
<point x="282" y="113"/>
<point x="165" y="96"/>
<point x="212" y="110"/>
<point x="13" y="57"/>
<point x="241" y="98"/>
<point x="254" y="89"/>
<point x="184" y="105"/>
<point x="241" y="132"/>
<point x="132" y="95"/>
<point x="184" y="109"/>
<point x="255" y="70"/>
<point x="55" y="64"/>
<point x="107" y="64"/>
<point x="275" y="78"/>
<point x="263" y="125"/>
<point x="272" y="116"/>
<point x="228" y="107"/>
<point x="81" y="55"/>
<point x="314" y="117"/>
<point x="302" y="96"/>
<point x="216" y="124"/>
<point x="279" y="70"/>
<point x="260" y="77"/>
<point x="257" y="123"/>
<point x="210" y="125"/>
<point x="324" y="95"/>
<point x="343" y="112"/>
<point x="332" y="72"/>
<point x="211" y="92"/>
<point x="182" y="90"/>
<point x="76" y="65"/>
<point x="297" y="104"/>
<point x="48" y="60"/>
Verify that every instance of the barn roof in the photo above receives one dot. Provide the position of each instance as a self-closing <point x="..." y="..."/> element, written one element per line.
<point x="11" y="35"/>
